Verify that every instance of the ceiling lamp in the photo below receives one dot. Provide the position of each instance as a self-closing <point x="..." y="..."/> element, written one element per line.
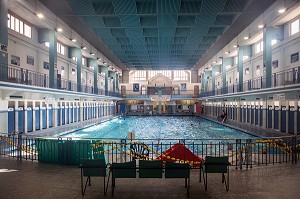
<point x="74" y="40"/>
<point x="282" y="10"/>
<point x="91" y="53"/>
<point x="83" y="47"/>
<point x="40" y="15"/>
<point x="227" y="52"/>
<point x="59" y="29"/>
<point x="260" y="26"/>
<point x="246" y="37"/>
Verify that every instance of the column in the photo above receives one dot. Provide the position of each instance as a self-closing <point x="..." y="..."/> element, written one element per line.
<point x="242" y="51"/>
<point x="112" y="75"/>
<point x="215" y="69"/>
<point x="104" y="69"/>
<point x="3" y="40"/>
<point x="50" y="35"/>
<point x="93" y="63"/>
<point x="117" y="82"/>
<point x="76" y="52"/>
<point x="159" y="92"/>
<point x="225" y="62"/>
<point x="269" y="33"/>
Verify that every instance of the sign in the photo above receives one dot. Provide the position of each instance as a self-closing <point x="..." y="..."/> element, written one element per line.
<point x="160" y="98"/>
<point x="279" y="97"/>
<point x="136" y="87"/>
<point x="50" y="100"/>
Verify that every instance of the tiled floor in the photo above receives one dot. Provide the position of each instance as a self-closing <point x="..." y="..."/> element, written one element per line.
<point x="33" y="180"/>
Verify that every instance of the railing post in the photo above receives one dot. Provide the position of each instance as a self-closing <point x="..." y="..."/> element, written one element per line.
<point x="19" y="148"/>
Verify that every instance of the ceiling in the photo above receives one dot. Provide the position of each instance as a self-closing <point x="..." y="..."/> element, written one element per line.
<point x="159" y="34"/>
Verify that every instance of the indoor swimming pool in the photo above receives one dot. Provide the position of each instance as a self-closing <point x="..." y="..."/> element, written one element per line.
<point x="159" y="127"/>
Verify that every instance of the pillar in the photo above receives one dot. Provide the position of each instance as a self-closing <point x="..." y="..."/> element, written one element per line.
<point x="3" y="40"/>
<point x="112" y="75"/>
<point x="76" y="52"/>
<point x="225" y="62"/>
<point x="242" y="51"/>
<point x="215" y="69"/>
<point x="269" y="33"/>
<point x="117" y="82"/>
<point x="104" y="69"/>
<point x="50" y="35"/>
<point x="93" y="63"/>
<point x="159" y="92"/>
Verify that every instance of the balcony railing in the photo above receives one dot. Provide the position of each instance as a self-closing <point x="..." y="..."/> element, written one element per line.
<point x="285" y="78"/>
<point x="27" y="77"/>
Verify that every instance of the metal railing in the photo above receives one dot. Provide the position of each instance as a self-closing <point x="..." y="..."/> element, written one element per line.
<point x="284" y="78"/>
<point x="19" y="75"/>
<point x="241" y="152"/>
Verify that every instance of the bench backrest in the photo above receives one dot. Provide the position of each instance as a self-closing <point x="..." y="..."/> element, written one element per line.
<point x="94" y="167"/>
<point x="148" y="172"/>
<point x="177" y="170"/>
<point x="216" y="164"/>
<point x="124" y="170"/>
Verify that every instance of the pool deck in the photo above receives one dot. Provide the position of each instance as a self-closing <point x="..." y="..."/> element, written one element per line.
<point x="33" y="180"/>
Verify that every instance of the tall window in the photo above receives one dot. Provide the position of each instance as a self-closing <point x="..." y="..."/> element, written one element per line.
<point x="74" y="59"/>
<point x="18" y="25"/>
<point x="139" y="75"/>
<point x="295" y="27"/>
<point x="181" y="75"/>
<point x="60" y="49"/>
<point x="259" y="47"/>
<point x="83" y="61"/>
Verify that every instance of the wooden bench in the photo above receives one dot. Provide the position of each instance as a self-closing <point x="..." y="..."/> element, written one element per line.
<point x="150" y="169"/>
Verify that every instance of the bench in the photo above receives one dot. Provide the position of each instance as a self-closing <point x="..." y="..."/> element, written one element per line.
<point x="150" y="169"/>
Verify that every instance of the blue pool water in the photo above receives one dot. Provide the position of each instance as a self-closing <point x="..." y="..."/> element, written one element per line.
<point x="159" y="127"/>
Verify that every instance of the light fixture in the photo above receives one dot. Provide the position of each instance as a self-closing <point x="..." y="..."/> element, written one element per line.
<point x="215" y="62"/>
<point x="260" y="26"/>
<point x="99" y="59"/>
<point x="227" y="52"/>
<point x="59" y="29"/>
<point x="40" y="15"/>
<point x="83" y="47"/>
<point x="235" y="46"/>
<point x="104" y="62"/>
<point x="246" y="37"/>
<point x="91" y="53"/>
<point x="74" y="40"/>
<point x="282" y="10"/>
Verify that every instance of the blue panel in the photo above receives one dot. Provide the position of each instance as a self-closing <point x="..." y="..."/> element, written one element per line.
<point x="256" y="115"/>
<point x="283" y="118"/>
<point x="44" y="117"/>
<point x="276" y="118"/>
<point x="261" y="116"/>
<point x="11" y="120"/>
<point x="67" y="114"/>
<point x="75" y="113"/>
<point x="270" y="119"/>
<point x="58" y="115"/>
<point x="50" y="111"/>
<point x="248" y="114"/>
<point x="37" y="118"/>
<point x="252" y="115"/>
<point x="29" y="119"/>
<point x="21" y="119"/>
<point x="63" y="119"/>
<point x="90" y="112"/>
<point x="291" y="118"/>
<point x="83" y="112"/>
<point x="241" y="114"/>
<point x="71" y="114"/>
<point x="298" y="119"/>
<point x="244" y="114"/>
